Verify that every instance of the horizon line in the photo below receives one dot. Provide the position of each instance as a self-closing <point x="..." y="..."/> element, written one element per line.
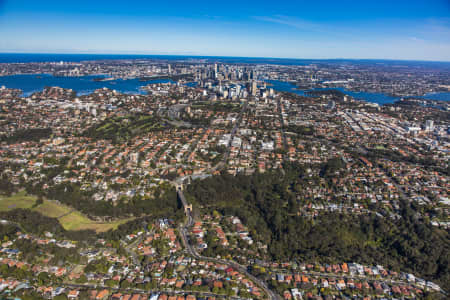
<point x="223" y="56"/>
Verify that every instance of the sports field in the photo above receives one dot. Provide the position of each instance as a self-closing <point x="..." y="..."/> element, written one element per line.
<point x="69" y="218"/>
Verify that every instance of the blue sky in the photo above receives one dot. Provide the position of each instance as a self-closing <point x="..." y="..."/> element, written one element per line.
<point x="394" y="29"/>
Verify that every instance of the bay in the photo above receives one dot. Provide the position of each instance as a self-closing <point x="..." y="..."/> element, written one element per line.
<point x="380" y="98"/>
<point x="30" y="83"/>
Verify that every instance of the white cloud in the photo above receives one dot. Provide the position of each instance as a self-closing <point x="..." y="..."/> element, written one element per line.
<point x="293" y="22"/>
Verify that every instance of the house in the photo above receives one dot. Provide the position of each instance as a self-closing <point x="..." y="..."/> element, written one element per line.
<point x="73" y="294"/>
<point x="116" y="296"/>
<point x="305" y="279"/>
<point x="377" y="287"/>
<point x="136" y="297"/>
<point x="179" y="284"/>
<point x="287" y="295"/>
<point x="340" y="284"/>
<point x="102" y="295"/>
<point x="385" y="287"/>
<point x="344" y="268"/>
<point x="396" y="290"/>
<point x="350" y="283"/>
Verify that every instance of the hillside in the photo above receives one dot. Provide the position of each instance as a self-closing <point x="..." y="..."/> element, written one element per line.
<point x="266" y="203"/>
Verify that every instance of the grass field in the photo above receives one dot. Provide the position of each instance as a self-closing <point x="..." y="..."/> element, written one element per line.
<point x="52" y="209"/>
<point x="19" y="200"/>
<point x="77" y="221"/>
<point x="69" y="218"/>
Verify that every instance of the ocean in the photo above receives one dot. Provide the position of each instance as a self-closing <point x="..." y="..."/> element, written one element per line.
<point x="50" y="57"/>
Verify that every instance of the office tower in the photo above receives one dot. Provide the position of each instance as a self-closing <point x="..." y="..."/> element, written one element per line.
<point x="254" y="88"/>
<point x="429" y="125"/>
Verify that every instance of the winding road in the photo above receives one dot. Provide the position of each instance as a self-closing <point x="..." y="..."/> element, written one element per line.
<point x="184" y="228"/>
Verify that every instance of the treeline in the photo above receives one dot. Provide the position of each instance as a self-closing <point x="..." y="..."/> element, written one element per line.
<point x="6" y="186"/>
<point x="138" y="224"/>
<point x="27" y="135"/>
<point x="30" y="250"/>
<point x="267" y="205"/>
<point x="8" y="230"/>
<point x="301" y="130"/>
<point x="164" y="201"/>
<point x="196" y="121"/>
<point x="163" y="204"/>
<point x="34" y="223"/>
<point x="332" y="166"/>
<point x="427" y="162"/>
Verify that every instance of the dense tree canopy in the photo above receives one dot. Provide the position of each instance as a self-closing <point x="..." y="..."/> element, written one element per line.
<point x="267" y="204"/>
<point x="25" y="135"/>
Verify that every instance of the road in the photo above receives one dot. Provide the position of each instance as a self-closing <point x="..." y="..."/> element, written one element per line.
<point x="130" y="251"/>
<point x="142" y="291"/>
<point x="223" y="162"/>
<point x="345" y="276"/>
<point x="232" y="134"/>
<point x="283" y="134"/>
<point x="184" y="228"/>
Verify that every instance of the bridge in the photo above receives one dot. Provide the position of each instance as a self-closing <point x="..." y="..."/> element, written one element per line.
<point x="184" y="229"/>
<point x="187" y="207"/>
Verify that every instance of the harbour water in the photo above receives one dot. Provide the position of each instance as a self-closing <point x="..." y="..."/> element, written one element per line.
<point x="86" y="84"/>
<point x="379" y="98"/>
<point x="30" y="83"/>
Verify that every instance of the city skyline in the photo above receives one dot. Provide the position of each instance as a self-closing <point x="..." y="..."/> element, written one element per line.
<point x="406" y="30"/>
